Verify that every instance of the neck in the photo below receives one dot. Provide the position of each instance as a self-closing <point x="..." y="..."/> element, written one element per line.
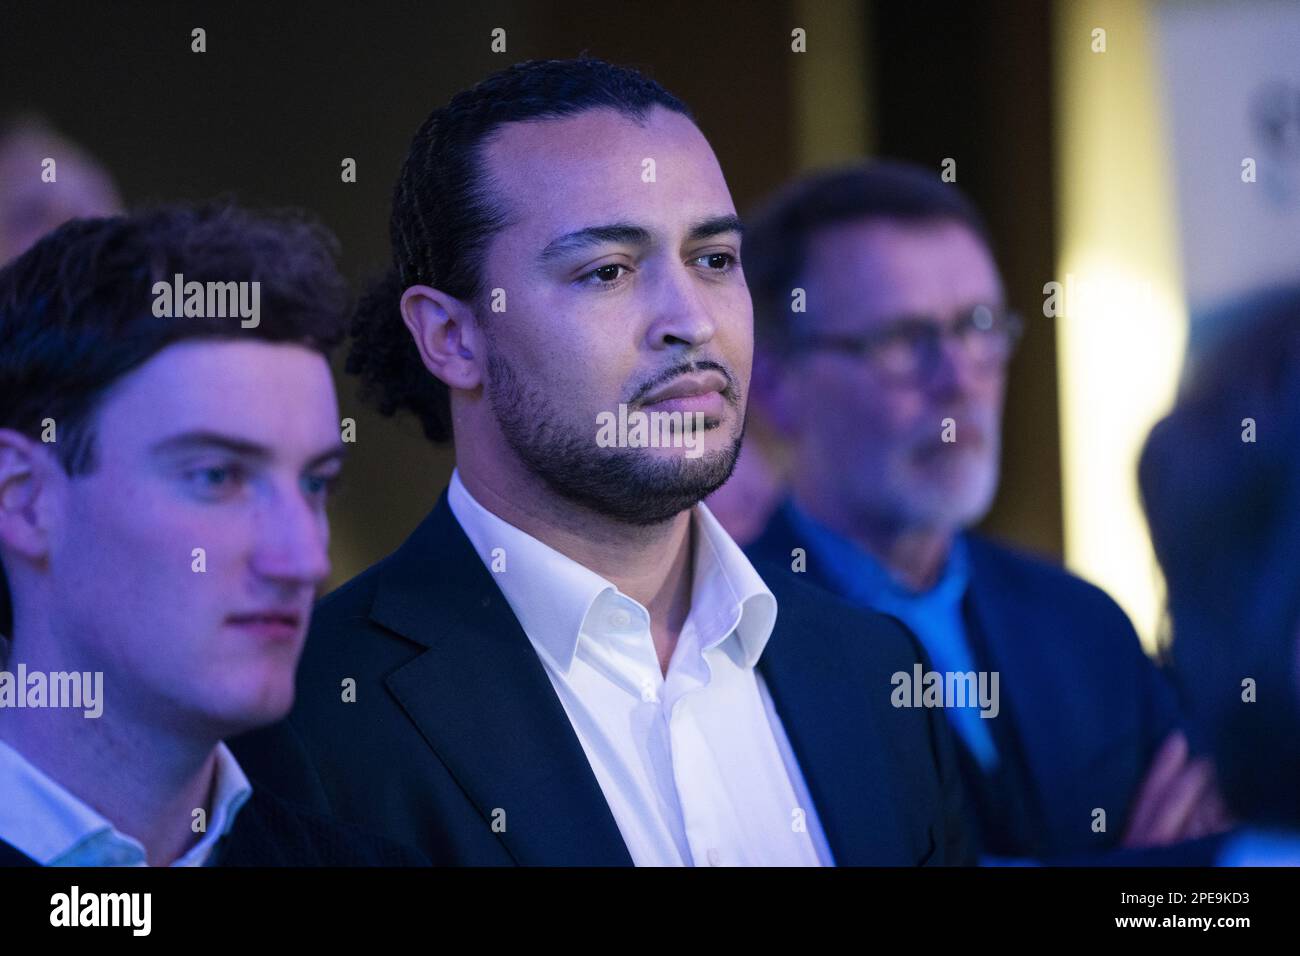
<point x="142" y="777"/>
<point x="653" y="565"/>
<point x="914" y="555"/>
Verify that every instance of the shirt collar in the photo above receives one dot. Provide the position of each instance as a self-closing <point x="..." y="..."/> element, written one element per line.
<point x="551" y="594"/>
<point x="229" y="794"/>
<point x="728" y="594"/>
<point x="859" y="576"/>
<point x="43" y="820"/>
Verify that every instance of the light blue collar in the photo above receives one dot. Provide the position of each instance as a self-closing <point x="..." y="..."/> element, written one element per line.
<point x="857" y="575"/>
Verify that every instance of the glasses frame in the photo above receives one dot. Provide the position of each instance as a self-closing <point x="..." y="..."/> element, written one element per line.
<point x="924" y="358"/>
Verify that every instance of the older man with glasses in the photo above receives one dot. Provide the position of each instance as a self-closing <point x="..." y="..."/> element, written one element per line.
<point x="884" y="340"/>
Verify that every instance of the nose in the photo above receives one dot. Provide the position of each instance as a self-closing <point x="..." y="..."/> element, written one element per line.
<point x="954" y="373"/>
<point x="680" y="314"/>
<point x="292" y="540"/>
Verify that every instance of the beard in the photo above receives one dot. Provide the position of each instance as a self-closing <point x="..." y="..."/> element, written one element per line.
<point x="625" y="484"/>
<point x="950" y="501"/>
<point x="957" y="493"/>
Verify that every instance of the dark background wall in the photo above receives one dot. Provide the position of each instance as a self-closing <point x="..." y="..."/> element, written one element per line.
<point x="973" y="81"/>
<point x="286" y="91"/>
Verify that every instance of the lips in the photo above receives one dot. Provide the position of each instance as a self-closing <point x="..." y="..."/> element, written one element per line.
<point x="695" y="392"/>
<point x="272" y="625"/>
<point x="687" y="386"/>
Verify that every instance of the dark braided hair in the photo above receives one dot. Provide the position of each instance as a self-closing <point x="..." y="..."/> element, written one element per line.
<point x="444" y="215"/>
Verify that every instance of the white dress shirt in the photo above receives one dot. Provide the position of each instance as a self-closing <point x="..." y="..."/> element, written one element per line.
<point x="43" y="820"/>
<point x="695" y="765"/>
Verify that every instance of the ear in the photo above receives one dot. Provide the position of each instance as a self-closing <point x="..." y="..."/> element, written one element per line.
<point x="24" y="478"/>
<point x="446" y="334"/>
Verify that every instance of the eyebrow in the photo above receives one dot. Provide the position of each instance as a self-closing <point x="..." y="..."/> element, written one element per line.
<point x="630" y="234"/>
<point x="201" y="440"/>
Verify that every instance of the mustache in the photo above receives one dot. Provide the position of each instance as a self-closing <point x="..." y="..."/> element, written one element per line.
<point x="730" y="394"/>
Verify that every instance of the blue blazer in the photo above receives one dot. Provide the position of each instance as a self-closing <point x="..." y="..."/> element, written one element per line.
<point x="1083" y="709"/>
<point x="457" y="744"/>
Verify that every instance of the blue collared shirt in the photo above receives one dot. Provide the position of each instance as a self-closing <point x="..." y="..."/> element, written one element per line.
<point x="43" y="820"/>
<point x="934" y="615"/>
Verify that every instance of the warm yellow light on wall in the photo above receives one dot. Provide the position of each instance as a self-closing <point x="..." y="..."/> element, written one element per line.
<point x="1120" y="311"/>
<point x="832" y="91"/>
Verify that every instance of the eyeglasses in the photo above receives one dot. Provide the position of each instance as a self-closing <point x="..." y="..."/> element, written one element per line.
<point x="911" y="347"/>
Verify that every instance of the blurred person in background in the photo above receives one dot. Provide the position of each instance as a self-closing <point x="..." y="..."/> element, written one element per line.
<point x="745" y="503"/>
<point x="1220" y="479"/>
<point x="881" y="314"/>
<point x="37" y="195"/>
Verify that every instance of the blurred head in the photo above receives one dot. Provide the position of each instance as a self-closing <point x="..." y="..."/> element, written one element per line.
<point x="34" y="196"/>
<point x="129" y="441"/>
<point x="1220" y="480"/>
<point x="880" y="314"/>
<point x="565" y="243"/>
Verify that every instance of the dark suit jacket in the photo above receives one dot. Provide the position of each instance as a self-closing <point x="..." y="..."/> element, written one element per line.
<point x="270" y="832"/>
<point x="458" y="745"/>
<point x="1083" y="709"/>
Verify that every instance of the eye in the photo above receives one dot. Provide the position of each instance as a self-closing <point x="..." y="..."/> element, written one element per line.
<point x="718" y="261"/>
<point x="324" y="486"/>
<point x="604" y="275"/>
<point x="215" y="481"/>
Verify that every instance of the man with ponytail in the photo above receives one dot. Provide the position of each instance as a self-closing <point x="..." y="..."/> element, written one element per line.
<point x="569" y="661"/>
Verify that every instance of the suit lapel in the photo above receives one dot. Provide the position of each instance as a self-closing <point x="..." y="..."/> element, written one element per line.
<point x="1025" y="690"/>
<point x="836" y="737"/>
<point x="825" y="711"/>
<point x="776" y="545"/>
<point x="10" y="856"/>
<point x="483" y="702"/>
